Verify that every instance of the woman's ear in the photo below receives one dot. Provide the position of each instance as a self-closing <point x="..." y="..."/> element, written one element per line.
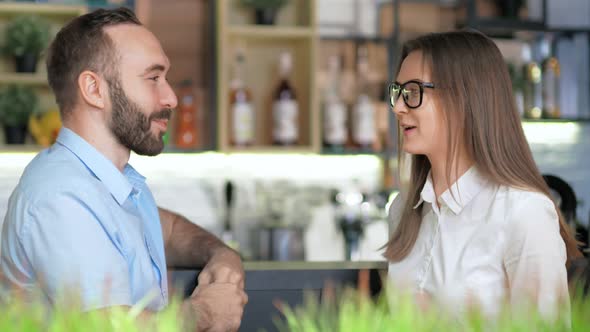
<point x="92" y="92"/>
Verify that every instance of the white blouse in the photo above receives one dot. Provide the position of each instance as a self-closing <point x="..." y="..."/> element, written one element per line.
<point x="491" y="244"/>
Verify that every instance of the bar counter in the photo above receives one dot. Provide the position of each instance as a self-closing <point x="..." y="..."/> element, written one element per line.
<point x="269" y="281"/>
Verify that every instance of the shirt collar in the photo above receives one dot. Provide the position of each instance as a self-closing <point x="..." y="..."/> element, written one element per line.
<point x="117" y="183"/>
<point x="459" y="194"/>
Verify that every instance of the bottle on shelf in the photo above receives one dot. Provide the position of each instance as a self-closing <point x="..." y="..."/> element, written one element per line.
<point x="382" y="109"/>
<point x="532" y="90"/>
<point x="335" y="128"/>
<point x="285" y="109"/>
<point x="550" y="81"/>
<point x="186" y="136"/>
<point x="363" y="112"/>
<point x="243" y="117"/>
<point x="516" y="77"/>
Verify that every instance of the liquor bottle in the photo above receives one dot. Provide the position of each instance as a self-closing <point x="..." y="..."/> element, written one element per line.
<point x="363" y="114"/>
<point x="186" y="136"/>
<point x="241" y="109"/>
<point x="335" y="113"/>
<point x="382" y="111"/>
<point x="516" y="77"/>
<point x="285" y="110"/>
<point x="532" y="90"/>
<point x="550" y="81"/>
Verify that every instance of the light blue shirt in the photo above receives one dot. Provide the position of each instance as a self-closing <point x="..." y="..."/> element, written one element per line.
<point x="76" y="223"/>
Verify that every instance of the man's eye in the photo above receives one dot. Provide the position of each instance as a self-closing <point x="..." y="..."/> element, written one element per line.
<point x="155" y="78"/>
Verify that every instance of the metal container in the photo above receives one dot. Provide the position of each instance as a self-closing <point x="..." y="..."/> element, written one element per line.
<point x="280" y="243"/>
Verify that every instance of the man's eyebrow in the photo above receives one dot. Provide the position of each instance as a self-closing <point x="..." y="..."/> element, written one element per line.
<point x="154" y="67"/>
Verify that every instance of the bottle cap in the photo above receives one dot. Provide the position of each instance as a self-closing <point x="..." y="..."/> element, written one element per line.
<point x="526" y="53"/>
<point x="285" y="63"/>
<point x="545" y="48"/>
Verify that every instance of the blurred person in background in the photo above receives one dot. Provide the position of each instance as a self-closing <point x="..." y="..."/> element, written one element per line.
<point x="81" y="217"/>
<point x="476" y="223"/>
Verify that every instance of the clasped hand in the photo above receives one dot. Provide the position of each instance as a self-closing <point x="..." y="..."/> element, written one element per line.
<point x="219" y="298"/>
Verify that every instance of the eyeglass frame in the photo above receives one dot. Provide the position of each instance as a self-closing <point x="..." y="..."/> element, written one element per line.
<point x="421" y="84"/>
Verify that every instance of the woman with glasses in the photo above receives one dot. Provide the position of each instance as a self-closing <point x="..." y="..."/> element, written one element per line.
<point x="475" y="223"/>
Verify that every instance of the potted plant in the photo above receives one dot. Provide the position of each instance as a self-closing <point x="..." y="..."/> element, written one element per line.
<point x="509" y="8"/>
<point x="265" y="10"/>
<point x="26" y="36"/>
<point x="17" y="103"/>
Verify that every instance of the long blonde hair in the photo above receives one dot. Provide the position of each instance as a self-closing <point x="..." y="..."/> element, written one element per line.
<point x="480" y="112"/>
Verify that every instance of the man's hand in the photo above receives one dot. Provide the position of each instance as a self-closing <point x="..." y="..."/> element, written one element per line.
<point x="225" y="266"/>
<point x="217" y="306"/>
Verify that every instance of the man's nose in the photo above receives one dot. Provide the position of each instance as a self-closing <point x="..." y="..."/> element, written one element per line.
<point x="169" y="99"/>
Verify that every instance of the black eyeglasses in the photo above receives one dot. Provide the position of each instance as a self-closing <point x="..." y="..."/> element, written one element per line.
<point x="412" y="92"/>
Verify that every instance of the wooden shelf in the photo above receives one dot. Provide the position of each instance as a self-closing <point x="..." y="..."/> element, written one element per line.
<point x="356" y="39"/>
<point x="271" y="149"/>
<point x="17" y="8"/>
<point x="504" y="24"/>
<point x="352" y="152"/>
<point x="270" y="32"/>
<point x="554" y="120"/>
<point x="20" y="148"/>
<point x="23" y="78"/>
<point x="173" y="149"/>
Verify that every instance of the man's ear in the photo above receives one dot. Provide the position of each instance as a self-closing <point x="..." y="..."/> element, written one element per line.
<point x="92" y="92"/>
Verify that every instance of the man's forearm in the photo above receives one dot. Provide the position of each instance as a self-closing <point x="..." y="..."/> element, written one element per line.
<point x="187" y="245"/>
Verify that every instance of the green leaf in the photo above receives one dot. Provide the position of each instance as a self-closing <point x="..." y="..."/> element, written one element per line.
<point x="26" y="34"/>
<point x="17" y="103"/>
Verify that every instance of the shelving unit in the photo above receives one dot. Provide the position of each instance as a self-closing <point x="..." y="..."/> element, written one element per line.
<point x="560" y="120"/>
<point x="57" y="16"/>
<point x="33" y="79"/>
<point x="343" y="39"/>
<point x="8" y="9"/>
<point x="295" y="32"/>
<point x="14" y="148"/>
<point x="494" y="26"/>
<point x="263" y="32"/>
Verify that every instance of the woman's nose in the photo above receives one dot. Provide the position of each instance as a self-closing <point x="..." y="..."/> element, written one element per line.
<point x="400" y="107"/>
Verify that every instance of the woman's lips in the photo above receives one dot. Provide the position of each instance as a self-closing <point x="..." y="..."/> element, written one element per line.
<point x="409" y="130"/>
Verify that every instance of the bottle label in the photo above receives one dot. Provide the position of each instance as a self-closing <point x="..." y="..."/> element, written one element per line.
<point x="363" y="131"/>
<point x="243" y="124"/>
<point x="335" y="122"/>
<point x="285" y="116"/>
<point x="187" y="100"/>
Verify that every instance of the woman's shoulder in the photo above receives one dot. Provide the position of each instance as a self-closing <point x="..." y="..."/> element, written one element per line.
<point x="532" y="226"/>
<point x="528" y="209"/>
<point x="521" y="197"/>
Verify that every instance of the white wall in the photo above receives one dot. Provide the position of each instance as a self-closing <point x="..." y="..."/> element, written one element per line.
<point x="192" y="184"/>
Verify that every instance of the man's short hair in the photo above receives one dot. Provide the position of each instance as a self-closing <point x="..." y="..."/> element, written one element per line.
<point x="83" y="45"/>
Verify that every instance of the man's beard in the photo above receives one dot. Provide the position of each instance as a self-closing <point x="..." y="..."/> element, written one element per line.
<point x="131" y="127"/>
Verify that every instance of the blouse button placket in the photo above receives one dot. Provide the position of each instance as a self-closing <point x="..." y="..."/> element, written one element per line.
<point x="428" y="260"/>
